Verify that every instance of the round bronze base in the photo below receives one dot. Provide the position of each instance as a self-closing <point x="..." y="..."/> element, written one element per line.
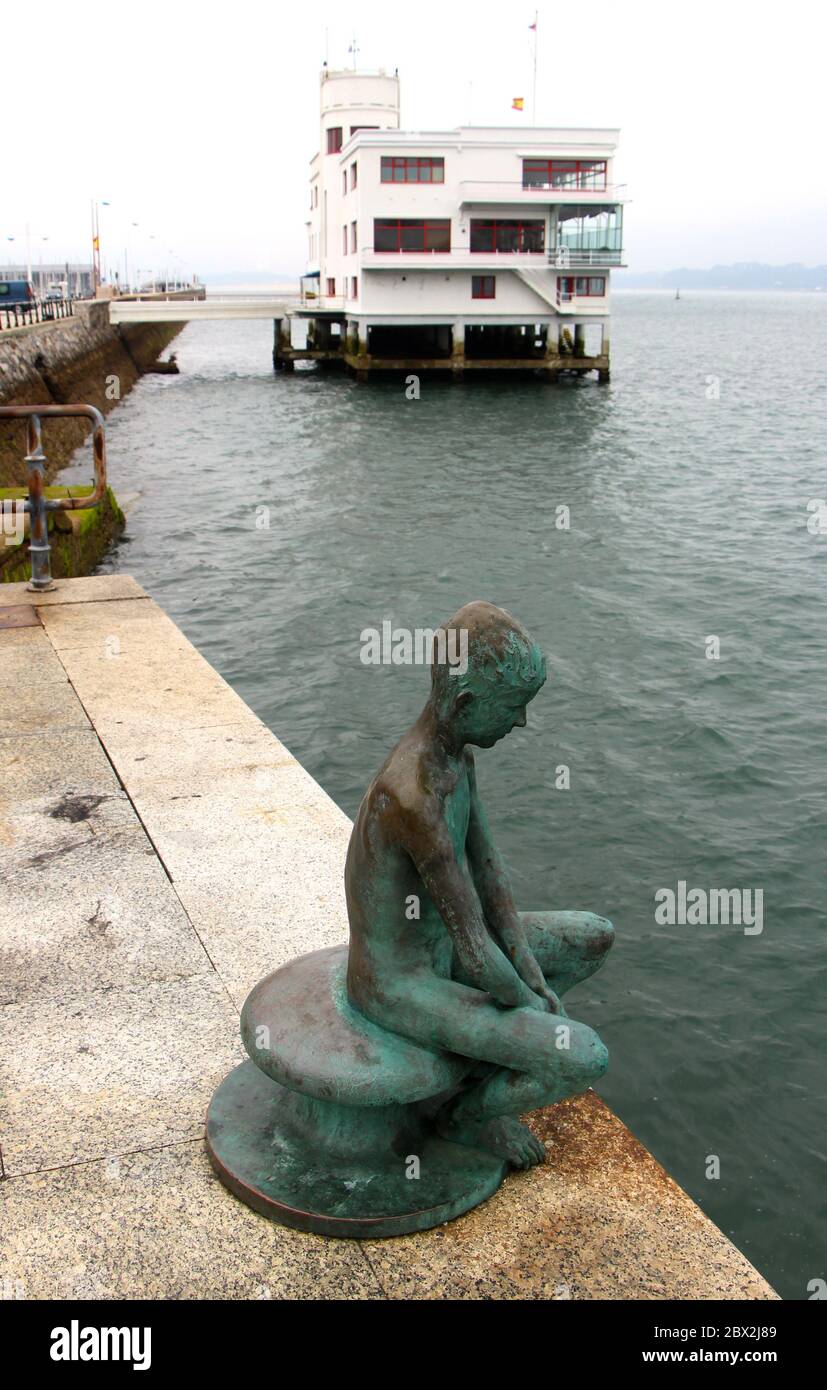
<point x="305" y="1163"/>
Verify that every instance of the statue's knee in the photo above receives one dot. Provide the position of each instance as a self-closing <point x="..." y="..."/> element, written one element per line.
<point x="598" y="936"/>
<point x="583" y="1060"/>
<point x="596" y="1061"/>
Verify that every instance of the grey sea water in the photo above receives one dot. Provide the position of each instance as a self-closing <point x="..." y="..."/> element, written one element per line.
<point x="687" y="482"/>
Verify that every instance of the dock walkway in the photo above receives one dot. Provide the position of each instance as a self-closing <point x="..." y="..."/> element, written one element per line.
<point x="160" y="851"/>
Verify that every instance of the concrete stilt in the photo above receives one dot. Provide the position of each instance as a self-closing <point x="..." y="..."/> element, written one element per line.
<point x="457" y="351"/>
<point x="603" y="372"/>
<point x="285" y="345"/>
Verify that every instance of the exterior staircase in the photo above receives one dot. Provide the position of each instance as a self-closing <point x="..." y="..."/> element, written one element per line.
<point x="544" y="283"/>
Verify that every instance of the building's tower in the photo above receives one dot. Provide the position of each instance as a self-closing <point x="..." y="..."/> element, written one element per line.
<point x="350" y="101"/>
<point x="357" y="100"/>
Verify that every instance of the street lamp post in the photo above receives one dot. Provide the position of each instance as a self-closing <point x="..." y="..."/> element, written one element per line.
<point x="96" y="244"/>
<point x="96" y="265"/>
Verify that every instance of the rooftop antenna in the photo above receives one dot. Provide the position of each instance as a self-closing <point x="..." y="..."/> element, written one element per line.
<point x="354" y="49"/>
<point x="534" y="88"/>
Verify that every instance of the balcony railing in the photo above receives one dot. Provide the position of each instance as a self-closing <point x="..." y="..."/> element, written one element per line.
<point x="311" y="299"/>
<point x="463" y="258"/>
<point x="567" y="299"/>
<point x="516" y="191"/>
<point x="575" y="257"/>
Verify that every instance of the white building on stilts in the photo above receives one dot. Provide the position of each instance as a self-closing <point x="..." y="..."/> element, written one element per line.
<point x="480" y="247"/>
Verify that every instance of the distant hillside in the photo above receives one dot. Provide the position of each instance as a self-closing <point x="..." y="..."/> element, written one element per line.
<point x="744" y="275"/>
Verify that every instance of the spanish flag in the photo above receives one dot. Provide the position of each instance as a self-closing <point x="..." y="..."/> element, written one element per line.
<point x="517" y="103"/>
<point x="96" y="246"/>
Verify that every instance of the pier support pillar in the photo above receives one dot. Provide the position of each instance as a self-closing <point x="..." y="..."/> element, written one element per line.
<point x="286" y="344"/>
<point x="457" y="351"/>
<point x="603" y="372"/>
<point x="282" y="345"/>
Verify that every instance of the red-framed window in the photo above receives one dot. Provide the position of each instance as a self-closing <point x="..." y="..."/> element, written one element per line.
<point x="344" y="240"/>
<point x="405" y="169"/>
<point x="582" y="285"/>
<point x="354" y="287"/>
<point x="354" y="237"/>
<point x="331" y="285"/>
<point x="334" y="139"/>
<point x="483" y="286"/>
<point x="564" y="173"/>
<point x="354" y="173"/>
<point x="489" y="235"/>
<point x="411" y="234"/>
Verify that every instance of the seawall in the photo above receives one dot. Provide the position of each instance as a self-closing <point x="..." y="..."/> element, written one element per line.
<point x="69" y="361"/>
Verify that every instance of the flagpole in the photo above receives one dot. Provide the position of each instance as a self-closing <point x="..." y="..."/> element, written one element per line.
<point x="534" y="92"/>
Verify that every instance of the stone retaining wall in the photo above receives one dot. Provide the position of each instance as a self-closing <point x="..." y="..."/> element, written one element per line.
<point x="69" y="361"/>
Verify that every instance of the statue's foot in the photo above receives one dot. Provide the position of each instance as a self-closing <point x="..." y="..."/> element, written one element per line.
<point x="502" y="1135"/>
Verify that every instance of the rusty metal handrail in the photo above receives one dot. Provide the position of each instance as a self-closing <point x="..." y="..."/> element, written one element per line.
<point x="37" y="504"/>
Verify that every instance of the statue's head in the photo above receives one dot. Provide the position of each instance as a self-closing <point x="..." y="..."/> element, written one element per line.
<point x="483" y="696"/>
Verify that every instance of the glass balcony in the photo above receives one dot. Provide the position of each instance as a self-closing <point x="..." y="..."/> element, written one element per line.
<point x="588" y="236"/>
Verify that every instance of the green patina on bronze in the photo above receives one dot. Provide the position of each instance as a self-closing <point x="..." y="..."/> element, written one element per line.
<point x="387" y="1077"/>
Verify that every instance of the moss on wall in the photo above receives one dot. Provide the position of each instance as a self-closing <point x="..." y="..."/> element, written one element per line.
<point x="79" y="539"/>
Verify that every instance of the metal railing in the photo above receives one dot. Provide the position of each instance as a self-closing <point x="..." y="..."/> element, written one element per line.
<point x="568" y="257"/>
<point x="38" y="311"/>
<point x="481" y="188"/>
<point x="37" y="505"/>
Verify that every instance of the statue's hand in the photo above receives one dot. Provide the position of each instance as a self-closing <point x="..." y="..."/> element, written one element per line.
<point x="530" y="1000"/>
<point x="553" y="1000"/>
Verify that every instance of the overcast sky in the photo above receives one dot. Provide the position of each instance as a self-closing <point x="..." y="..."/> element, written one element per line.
<point x="197" y="121"/>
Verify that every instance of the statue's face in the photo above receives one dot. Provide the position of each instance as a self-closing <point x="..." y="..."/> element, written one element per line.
<point x="484" y="722"/>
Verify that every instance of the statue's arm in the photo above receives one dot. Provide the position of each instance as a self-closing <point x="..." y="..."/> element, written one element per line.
<point x="429" y="845"/>
<point x="494" y="890"/>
